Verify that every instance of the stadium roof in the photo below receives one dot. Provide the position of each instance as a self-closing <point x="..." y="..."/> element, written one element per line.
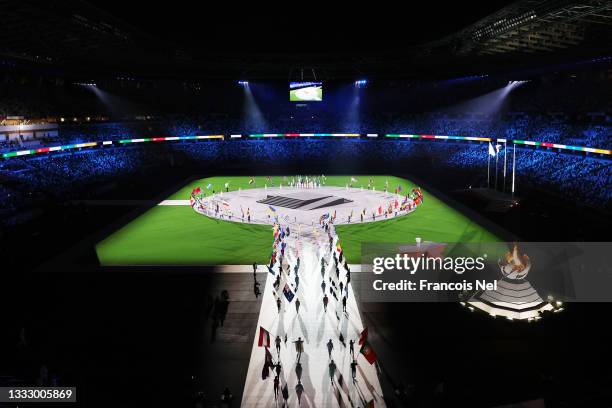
<point x="531" y="27"/>
<point x="76" y="36"/>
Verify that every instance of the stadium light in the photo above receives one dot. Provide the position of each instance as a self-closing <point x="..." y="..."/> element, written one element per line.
<point x="252" y="116"/>
<point x="511" y="86"/>
<point x="361" y="83"/>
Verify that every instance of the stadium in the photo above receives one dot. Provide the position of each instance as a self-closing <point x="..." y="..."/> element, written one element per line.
<point x="203" y="208"/>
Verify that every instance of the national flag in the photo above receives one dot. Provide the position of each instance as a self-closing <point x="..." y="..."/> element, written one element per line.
<point x="268" y="357"/>
<point x="289" y="295"/>
<point x="325" y="216"/>
<point x="225" y="203"/>
<point x="271" y="209"/>
<point x="285" y="392"/>
<point x="492" y="151"/>
<point x="380" y="209"/>
<point x="265" y="373"/>
<point x="363" y="336"/>
<point x="264" y="338"/>
<point x="368" y="352"/>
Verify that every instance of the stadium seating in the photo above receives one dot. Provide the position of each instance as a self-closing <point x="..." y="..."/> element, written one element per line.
<point x="66" y="175"/>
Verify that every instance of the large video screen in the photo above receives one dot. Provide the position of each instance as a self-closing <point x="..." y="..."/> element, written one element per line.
<point x="305" y="91"/>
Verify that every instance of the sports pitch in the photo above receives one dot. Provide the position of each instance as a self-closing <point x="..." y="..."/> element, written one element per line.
<point x="177" y="235"/>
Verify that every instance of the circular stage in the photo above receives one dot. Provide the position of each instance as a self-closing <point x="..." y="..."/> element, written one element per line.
<point x="305" y="205"/>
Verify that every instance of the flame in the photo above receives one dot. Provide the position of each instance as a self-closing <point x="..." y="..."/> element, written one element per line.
<point x="517" y="261"/>
<point x="515" y="257"/>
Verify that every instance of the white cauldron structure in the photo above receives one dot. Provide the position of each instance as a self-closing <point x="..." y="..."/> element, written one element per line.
<point x="514" y="298"/>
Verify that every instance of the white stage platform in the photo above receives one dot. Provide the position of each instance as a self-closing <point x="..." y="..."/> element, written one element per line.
<point x="238" y="203"/>
<point x="315" y="327"/>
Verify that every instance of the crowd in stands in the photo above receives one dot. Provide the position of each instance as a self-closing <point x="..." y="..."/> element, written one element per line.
<point x="569" y="113"/>
<point x="27" y="182"/>
<point x="523" y="127"/>
<point x="6" y="146"/>
<point x="576" y="179"/>
<point x="38" y="181"/>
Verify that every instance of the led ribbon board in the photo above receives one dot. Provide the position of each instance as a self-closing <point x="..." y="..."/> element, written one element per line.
<point x="260" y="135"/>
<point x="563" y="147"/>
<point x="41" y="150"/>
<point x="468" y="138"/>
<point x="104" y="143"/>
<point x="518" y="142"/>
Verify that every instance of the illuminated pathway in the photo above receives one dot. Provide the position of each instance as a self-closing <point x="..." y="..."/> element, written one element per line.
<point x="315" y="327"/>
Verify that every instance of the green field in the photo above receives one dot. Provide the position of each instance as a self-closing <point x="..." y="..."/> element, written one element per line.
<point x="177" y="235"/>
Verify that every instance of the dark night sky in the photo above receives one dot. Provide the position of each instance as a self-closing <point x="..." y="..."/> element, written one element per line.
<point x="297" y="27"/>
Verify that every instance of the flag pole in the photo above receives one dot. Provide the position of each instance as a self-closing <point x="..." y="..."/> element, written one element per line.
<point x="488" y="169"/>
<point x="496" y="156"/>
<point x="505" y="153"/>
<point x="513" y="166"/>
